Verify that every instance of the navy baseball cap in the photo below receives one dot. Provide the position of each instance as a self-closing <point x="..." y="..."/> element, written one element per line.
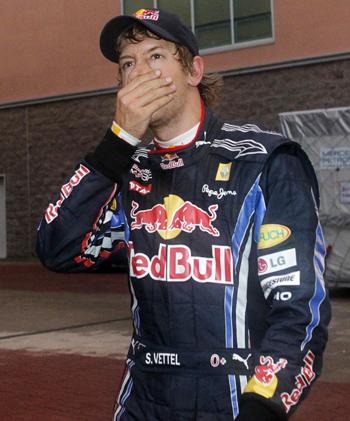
<point x="162" y="23"/>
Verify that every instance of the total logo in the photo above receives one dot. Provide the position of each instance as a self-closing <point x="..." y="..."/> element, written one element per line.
<point x="173" y="217"/>
<point x="272" y="234"/>
<point x="275" y="262"/>
<point x="175" y="263"/>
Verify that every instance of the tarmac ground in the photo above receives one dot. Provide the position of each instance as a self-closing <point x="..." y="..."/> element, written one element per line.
<point x="63" y="339"/>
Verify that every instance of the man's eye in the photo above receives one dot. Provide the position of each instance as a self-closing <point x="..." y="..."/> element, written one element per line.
<point x="156" y="56"/>
<point x="126" y="65"/>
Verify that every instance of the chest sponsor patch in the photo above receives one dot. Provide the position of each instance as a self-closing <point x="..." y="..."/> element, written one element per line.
<point x="139" y="188"/>
<point x="272" y="282"/>
<point x="272" y="234"/>
<point x="223" y="172"/>
<point x="171" y="161"/>
<point x="143" y="173"/>
<point x="275" y="262"/>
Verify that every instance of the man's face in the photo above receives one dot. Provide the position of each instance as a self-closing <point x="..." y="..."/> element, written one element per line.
<point x="155" y="54"/>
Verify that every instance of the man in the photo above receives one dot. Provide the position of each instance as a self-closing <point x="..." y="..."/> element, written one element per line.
<point x="225" y="249"/>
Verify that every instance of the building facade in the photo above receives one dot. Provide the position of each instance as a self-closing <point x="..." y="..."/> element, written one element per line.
<point x="57" y="92"/>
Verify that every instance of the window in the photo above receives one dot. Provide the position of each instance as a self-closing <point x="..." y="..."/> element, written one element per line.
<point x="219" y="25"/>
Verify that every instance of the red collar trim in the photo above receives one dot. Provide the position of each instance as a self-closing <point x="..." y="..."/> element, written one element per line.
<point x="177" y="148"/>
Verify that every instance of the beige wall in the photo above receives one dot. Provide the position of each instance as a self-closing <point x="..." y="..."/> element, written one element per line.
<point x="50" y="47"/>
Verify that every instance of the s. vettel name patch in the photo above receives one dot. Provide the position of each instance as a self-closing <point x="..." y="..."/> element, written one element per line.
<point x="272" y="234"/>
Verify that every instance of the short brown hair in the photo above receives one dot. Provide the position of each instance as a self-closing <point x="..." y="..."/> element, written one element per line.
<point x="210" y="84"/>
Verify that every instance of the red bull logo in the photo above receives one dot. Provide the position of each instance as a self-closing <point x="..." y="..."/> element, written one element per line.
<point x="171" y="161"/>
<point x="265" y="372"/>
<point x="302" y="380"/>
<point x="175" y="263"/>
<point x="52" y="210"/>
<point x="147" y="14"/>
<point x="173" y="217"/>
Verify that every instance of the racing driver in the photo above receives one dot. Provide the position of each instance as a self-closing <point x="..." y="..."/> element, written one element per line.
<point x="226" y="254"/>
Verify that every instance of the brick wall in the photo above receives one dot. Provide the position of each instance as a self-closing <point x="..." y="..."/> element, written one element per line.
<point x="40" y="144"/>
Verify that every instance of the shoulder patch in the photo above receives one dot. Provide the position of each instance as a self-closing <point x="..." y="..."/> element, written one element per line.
<point x="241" y="147"/>
<point x="246" y="128"/>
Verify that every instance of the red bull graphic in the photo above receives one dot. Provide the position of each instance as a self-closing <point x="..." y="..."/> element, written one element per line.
<point x="52" y="210"/>
<point x="147" y="14"/>
<point x="190" y="216"/>
<point x="177" y="264"/>
<point x="139" y="188"/>
<point x="302" y="380"/>
<point x="171" y="161"/>
<point x="173" y="217"/>
<point x="153" y="219"/>
<point x="265" y="372"/>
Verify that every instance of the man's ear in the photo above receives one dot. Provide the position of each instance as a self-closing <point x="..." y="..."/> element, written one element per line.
<point x="196" y="75"/>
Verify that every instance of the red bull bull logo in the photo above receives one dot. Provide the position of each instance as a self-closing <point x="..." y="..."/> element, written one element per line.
<point x="173" y="217"/>
<point x="265" y="372"/>
<point x="175" y="263"/>
<point x="147" y="14"/>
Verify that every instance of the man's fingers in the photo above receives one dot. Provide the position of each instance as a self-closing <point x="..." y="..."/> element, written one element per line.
<point x="141" y="80"/>
<point x="159" y="103"/>
<point x="154" y="95"/>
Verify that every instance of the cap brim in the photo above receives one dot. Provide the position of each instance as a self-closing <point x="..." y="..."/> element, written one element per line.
<point x="119" y="24"/>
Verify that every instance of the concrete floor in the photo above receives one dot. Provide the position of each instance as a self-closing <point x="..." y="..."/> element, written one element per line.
<point x="88" y="315"/>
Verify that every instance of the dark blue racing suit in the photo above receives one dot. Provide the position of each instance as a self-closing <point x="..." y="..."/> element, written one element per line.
<point x="226" y="266"/>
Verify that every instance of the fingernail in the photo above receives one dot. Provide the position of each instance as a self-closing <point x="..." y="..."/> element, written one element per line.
<point x="168" y="79"/>
<point x="158" y="72"/>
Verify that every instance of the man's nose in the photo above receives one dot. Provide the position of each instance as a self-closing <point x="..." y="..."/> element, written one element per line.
<point x="141" y="67"/>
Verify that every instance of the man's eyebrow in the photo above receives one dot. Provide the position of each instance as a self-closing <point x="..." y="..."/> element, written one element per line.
<point x="150" y="50"/>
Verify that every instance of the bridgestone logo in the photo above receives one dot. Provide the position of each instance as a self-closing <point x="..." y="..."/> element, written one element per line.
<point x="272" y="282"/>
<point x="177" y="264"/>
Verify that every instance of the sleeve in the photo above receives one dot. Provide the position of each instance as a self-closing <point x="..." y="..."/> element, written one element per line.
<point x="290" y="270"/>
<point x="78" y="230"/>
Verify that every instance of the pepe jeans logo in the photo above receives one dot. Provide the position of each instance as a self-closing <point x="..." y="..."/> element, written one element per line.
<point x="219" y="194"/>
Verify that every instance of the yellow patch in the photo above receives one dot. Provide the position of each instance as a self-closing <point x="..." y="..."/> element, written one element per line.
<point x="265" y="390"/>
<point x="223" y="172"/>
<point x="272" y="234"/>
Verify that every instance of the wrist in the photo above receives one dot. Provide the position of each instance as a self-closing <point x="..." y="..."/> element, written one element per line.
<point x="127" y="137"/>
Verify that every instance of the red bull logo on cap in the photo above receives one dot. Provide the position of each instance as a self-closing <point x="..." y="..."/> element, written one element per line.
<point x="173" y="217"/>
<point x="147" y="14"/>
